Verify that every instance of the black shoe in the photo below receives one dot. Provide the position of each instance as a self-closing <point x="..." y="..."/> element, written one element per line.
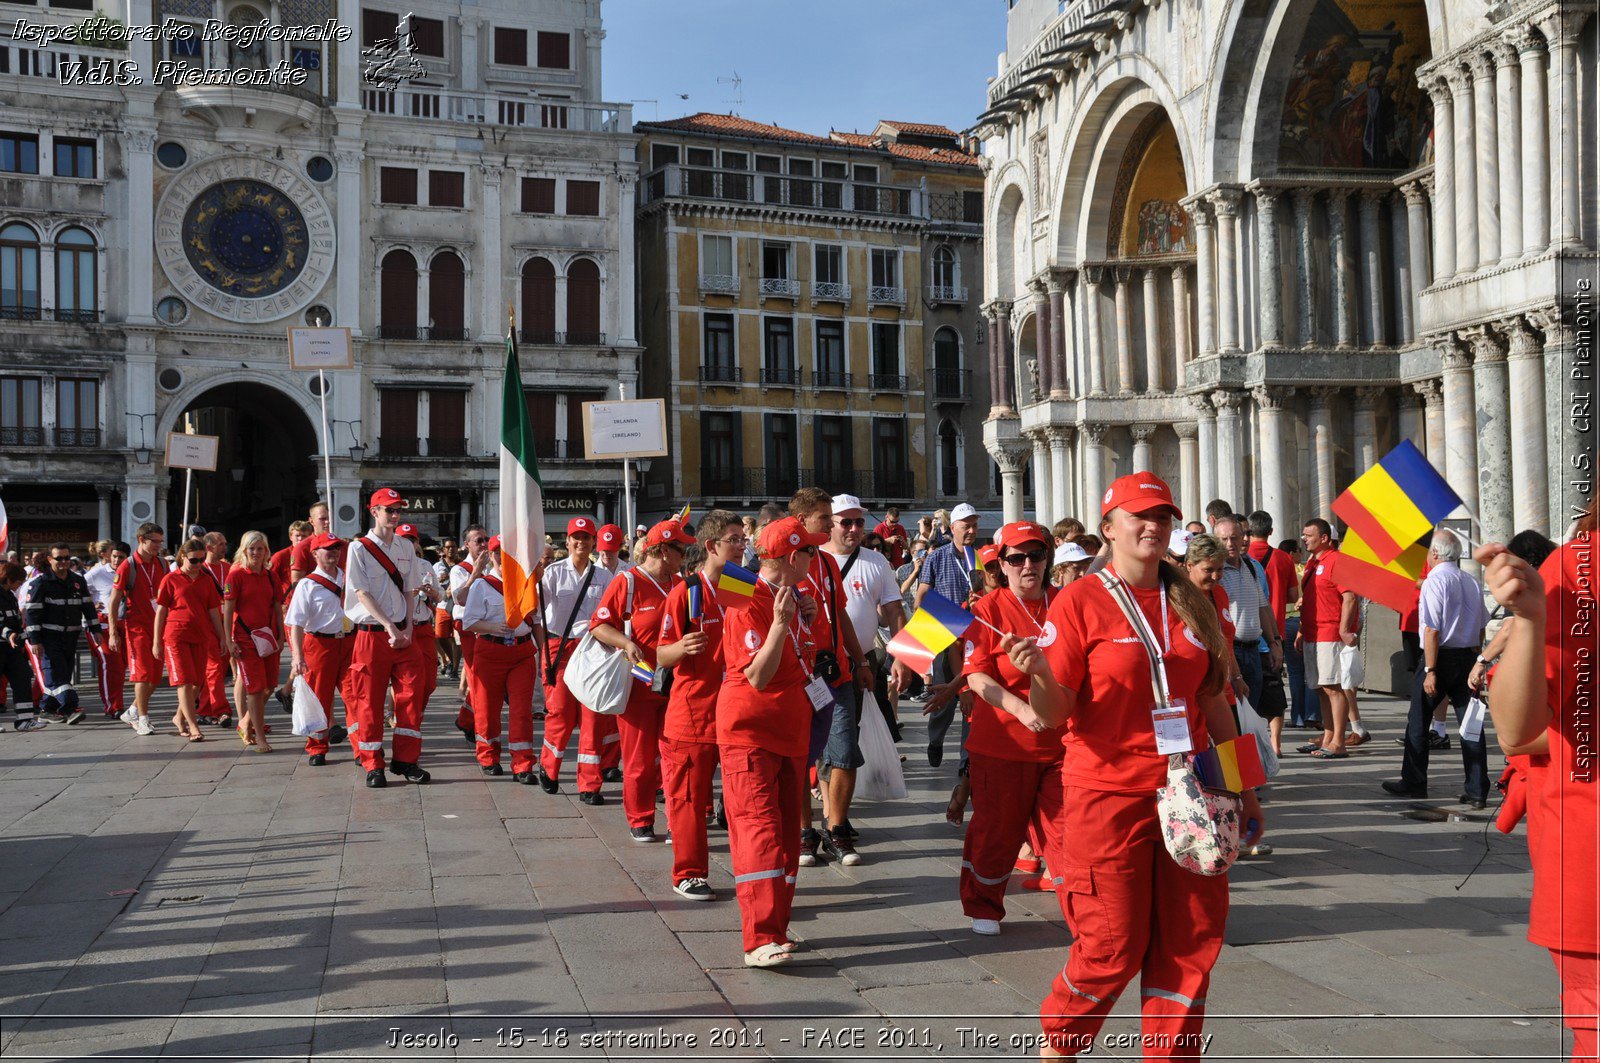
<point x="546" y="783"/>
<point x="611" y="775"/>
<point x="317" y="760"/>
<point x="493" y="769"/>
<point x="74" y="717"/>
<point x="844" y="828"/>
<point x="643" y="835"/>
<point x="337" y="734"/>
<point x="224" y="720"/>
<point x="524" y="777"/>
<point x="838" y="848"/>
<point x="466" y="732"/>
<point x="538" y="714"/>
<point x="1438" y="741"/>
<point x="375" y="779"/>
<point x="283" y="700"/>
<point x="661" y="797"/>
<point x="591" y="797"/>
<point x="1400" y="789"/>
<point x="812" y="848"/>
<point x="1473" y="802"/>
<point x="408" y="772"/>
<point x="935" y="756"/>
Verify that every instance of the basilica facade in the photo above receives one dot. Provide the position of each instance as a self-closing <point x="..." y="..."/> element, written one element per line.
<point x="1252" y="244"/>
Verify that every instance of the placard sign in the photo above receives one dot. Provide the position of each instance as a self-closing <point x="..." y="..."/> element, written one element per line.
<point x="320" y="348"/>
<point x="631" y="428"/>
<point x="191" y="452"/>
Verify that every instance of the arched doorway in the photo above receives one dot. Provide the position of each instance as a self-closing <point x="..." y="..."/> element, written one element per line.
<point x="265" y="475"/>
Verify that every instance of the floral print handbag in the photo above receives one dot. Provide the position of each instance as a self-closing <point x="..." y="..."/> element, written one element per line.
<point x="1199" y="825"/>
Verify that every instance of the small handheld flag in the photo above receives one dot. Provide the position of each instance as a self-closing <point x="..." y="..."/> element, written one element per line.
<point x="937" y="624"/>
<point x="643" y="673"/>
<point x="1234" y="765"/>
<point x="1396" y="502"/>
<point x="683" y="515"/>
<point x="736" y="580"/>
<point x="694" y="603"/>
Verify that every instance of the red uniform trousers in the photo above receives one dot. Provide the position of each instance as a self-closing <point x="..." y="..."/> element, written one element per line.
<point x="1008" y="797"/>
<point x="425" y="644"/>
<point x="1132" y="910"/>
<point x="214" y="691"/>
<point x="640" y="728"/>
<point x="501" y="673"/>
<point x="609" y="734"/>
<point x="686" y="770"/>
<point x="464" y="716"/>
<point x="374" y="666"/>
<point x="138" y="648"/>
<point x="327" y="665"/>
<point x="112" y="669"/>
<point x="761" y="792"/>
<point x="1580" y="1000"/>
<point x="563" y="715"/>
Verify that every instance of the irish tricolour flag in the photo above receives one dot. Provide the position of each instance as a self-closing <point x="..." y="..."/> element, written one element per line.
<point x="521" y="496"/>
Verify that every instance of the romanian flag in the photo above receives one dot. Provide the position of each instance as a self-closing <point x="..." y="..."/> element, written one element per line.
<point x="937" y="624"/>
<point x="1396" y="502"/>
<point x="736" y="580"/>
<point x="643" y="673"/>
<point x="696" y="607"/>
<point x="683" y="515"/>
<point x="521" y="496"/>
<point x="1234" y="765"/>
<point x="1393" y="584"/>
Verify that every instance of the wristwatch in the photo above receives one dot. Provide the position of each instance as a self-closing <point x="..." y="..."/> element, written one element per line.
<point x="1426" y="670"/>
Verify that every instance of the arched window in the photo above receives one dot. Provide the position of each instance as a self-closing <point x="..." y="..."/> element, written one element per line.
<point x="583" y="302"/>
<point x="538" y="301"/>
<point x="19" y="273"/>
<point x="447" y="296"/>
<point x="945" y="271"/>
<point x="949" y="460"/>
<point x="77" y="278"/>
<point x="948" y="380"/>
<point x="397" y="304"/>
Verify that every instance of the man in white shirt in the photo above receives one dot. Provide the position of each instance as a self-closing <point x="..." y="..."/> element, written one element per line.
<point x="569" y="591"/>
<point x="872" y="598"/>
<point x="609" y="550"/>
<point x="477" y="537"/>
<point x="507" y="669"/>
<point x="110" y="664"/>
<point x="379" y="587"/>
<point x="1249" y="608"/>
<point x="429" y="593"/>
<point x="320" y="639"/>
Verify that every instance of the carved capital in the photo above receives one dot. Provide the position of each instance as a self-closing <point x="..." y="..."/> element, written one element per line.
<point x="1372" y="198"/>
<point x="1271" y="398"/>
<point x="1561" y="26"/>
<point x="1432" y="392"/>
<point x="1418" y="191"/>
<point x="1552" y="321"/>
<point x="1482" y="65"/>
<point x="1323" y="396"/>
<point x="141" y="140"/>
<point x="1225" y="201"/>
<point x="1529" y="41"/>
<point x="348" y="160"/>
<point x="627" y="180"/>
<point x="1454" y="355"/>
<point x="1266" y="199"/>
<point x="1202" y="406"/>
<point x="1367" y="399"/>
<point x="1520" y="338"/>
<point x="1040" y="437"/>
<point x="1096" y="433"/>
<point x="1505" y="53"/>
<point x="1187" y="430"/>
<point x="1460" y="79"/>
<point x="1142" y="433"/>
<point x="1486" y="345"/>
<point x="1060" y="436"/>
<point x="1227" y="399"/>
<point x="1180" y="273"/>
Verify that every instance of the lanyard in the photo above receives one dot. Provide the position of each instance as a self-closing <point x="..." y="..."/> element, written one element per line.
<point x="1029" y="612"/>
<point x="799" y="655"/>
<point x="1141" y="628"/>
<point x="653" y="583"/>
<point x="140" y="568"/>
<point x="708" y="596"/>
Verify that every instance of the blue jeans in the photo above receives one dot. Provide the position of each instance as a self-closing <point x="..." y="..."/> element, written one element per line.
<point x="1249" y="659"/>
<point x="939" y="722"/>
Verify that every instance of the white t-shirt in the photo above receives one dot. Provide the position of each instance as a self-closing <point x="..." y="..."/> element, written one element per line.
<point x="315" y="608"/>
<point x="869" y="584"/>
<point x="364" y="573"/>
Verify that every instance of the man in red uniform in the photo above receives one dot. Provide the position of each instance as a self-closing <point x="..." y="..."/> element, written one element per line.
<point x="1328" y="622"/>
<point x="301" y="563"/>
<point x="282" y="566"/>
<point x="131" y="621"/>
<point x="320" y="635"/>
<point x="763" y="722"/>
<point x="569" y="592"/>
<point x="461" y="574"/>
<point x="505" y="670"/>
<point x="429" y="593"/>
<point x="379" y="586"/>
<point x="214" y="691"/>
<point x="894" y="536"/>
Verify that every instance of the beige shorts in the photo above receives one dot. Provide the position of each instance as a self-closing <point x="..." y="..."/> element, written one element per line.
<point x="1333" y="664"/>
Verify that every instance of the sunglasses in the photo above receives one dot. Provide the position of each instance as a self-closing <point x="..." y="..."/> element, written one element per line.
<point x="1018" y="560"/>
<point x="809" y="551"/>
<point x="391" y="509"/>
<point x="852" y="522"/>
<point x="197" y="557"/>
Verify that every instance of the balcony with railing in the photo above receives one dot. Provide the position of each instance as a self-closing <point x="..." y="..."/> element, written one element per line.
<point x="12" y="436"/>
<point x="479" y="108"/>
<point x="830" y="292"/>
<point x="831" y="379"/>
<point x="893" y="484"/>
<point x="947" y="293"/>
<point x="549" y="338"/>
<point x="952" y="385"/>
<point x="721" y="374"/>
<point x="782" y="377"/>
<point x="894" y="382"/>
<point x="782" y="190"/>
<point x="774" y="482"/>
<point x="25" y="311"/>
<point x="392" y="446"/>
<point x="719" y="283"/>
<point x="77" y="437"/>
<point x="780" y="287"/>
<point x="885" y="295"/>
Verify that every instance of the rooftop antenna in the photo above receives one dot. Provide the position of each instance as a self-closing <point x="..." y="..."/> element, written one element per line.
<point x="738" y="91"/>
<point x="655" y="107"/>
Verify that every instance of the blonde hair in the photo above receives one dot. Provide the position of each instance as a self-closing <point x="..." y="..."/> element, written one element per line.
<point x="1203" y="548"/>
<point x="246" y="541"/>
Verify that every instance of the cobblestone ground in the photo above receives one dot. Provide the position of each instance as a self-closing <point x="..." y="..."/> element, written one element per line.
<point x="163" y="899"/>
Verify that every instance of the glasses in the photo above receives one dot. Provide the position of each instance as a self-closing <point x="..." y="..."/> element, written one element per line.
<point x="478" y="539"/>
<point x="61" y="560"/>
<point x="391" y="509"/>
<point x="809" y="551"/>
<point x="735" y="540"/>
<point x="851" y="522"/>
<point x="1018" y="560"/>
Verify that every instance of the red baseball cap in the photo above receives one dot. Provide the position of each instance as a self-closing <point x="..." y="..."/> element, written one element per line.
<point x="668" y="533"/>
<point x="610" y="537"/>
<point x="386" y="496"/>
<point x="1023" y="531"/>
<point x="494" y="542"/>
<point x="407" y="530"/>
<point x="326" y="541"/>
<point x="580" y="526"/>
<point x="1139" y="492"/>
<point x="988" y="555"/>
<point x="786" y="535"/>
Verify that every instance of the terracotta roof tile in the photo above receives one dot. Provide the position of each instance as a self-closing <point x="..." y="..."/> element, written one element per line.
<point x="919" y="129"/>
<point x="732" y="125"/>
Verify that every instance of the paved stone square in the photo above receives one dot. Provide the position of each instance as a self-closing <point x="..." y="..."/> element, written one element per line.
<point x="166" y="900"/>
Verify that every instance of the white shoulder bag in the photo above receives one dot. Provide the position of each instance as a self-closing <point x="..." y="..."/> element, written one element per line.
<point x="599" y="676"/>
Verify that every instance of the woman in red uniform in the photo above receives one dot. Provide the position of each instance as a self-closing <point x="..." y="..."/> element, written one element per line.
<point x="691" y="646"/>
<point x="252" y="613"/>
<point x="636" y="598"/>
<point x="1014" y="757"/>
<point x="188" y="619"/>
<point x="1545" y="684"/>
<point x="1132" y="908"/>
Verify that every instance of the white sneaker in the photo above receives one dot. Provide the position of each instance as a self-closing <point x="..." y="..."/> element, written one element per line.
<point x="769" y="955"/>
<point x="986" y="927"/>
<point x="129" y="714"/>
<point x="694" y="889"/>
<point x="33" y="723"/>
<point x="141" y="726"/>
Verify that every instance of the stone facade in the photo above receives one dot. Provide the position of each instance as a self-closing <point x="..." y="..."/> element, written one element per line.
<point x="1373" y="222"/>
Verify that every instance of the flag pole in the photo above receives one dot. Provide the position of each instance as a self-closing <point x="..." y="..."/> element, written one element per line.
<point x="188" y="479"/>
<point x="627" y="479"/>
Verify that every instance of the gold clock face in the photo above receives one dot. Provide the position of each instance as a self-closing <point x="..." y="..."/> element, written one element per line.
<point x="245" y="238"/>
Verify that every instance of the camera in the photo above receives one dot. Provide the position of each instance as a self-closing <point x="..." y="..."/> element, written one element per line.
<point x="661" y="682"/>
<point x="828" y="667"/>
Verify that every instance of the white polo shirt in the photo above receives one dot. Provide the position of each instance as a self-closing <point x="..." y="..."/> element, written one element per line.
<point x="558" y="593"/>
<point x="487" y="605"/>
<point x="869" y="584"/>
<point x="363" y="573"/>
<point x="315" y="608"/>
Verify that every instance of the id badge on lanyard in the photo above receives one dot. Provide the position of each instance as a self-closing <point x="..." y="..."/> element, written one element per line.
<point x="1170" y="716"/>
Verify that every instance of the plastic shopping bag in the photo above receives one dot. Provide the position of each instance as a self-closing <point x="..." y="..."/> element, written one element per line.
<point x="599" y="676"/>
<point x="1471" y="728"/>
<point x="1252" y="723"/>
<point x="309" y="715"/>
<point x="880" y="778"/>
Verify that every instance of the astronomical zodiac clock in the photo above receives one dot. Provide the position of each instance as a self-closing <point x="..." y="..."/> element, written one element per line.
<point x="245" y="239"/>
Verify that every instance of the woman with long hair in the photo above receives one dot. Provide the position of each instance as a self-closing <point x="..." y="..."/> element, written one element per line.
<point x="252" y="614"/>
<point x="188" y="617"/>
<point x="1135" y="671"/>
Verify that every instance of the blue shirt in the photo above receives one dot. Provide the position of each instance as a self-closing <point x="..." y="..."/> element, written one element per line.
<point x="1452" y="605"/>
<point x="948" y="570"/>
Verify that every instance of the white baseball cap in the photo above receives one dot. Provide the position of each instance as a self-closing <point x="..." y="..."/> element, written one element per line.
<point x="965" y="511"/>
<point x="1178" y="544"/>
<point x="1070" y="552"/>
<point x="845" y="503"/>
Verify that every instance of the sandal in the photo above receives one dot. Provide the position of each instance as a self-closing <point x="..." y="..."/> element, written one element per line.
<point x="244" y="737"/>
<point x="196" y="737"/>
<point x="955" y="812"/>
<point x="1310" y="747"/>
<point x="1323" y="754"/>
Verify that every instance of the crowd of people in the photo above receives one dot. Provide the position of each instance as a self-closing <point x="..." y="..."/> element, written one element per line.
<point x="755" y="644"/>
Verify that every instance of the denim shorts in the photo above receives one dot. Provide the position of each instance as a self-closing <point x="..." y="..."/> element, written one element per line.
<point x="843" y="748"/>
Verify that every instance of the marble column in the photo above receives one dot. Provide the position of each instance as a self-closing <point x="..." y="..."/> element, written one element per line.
<point x="1561" y="31"/>
<point x="1421" y="276"/>
<point x="1205" y="276"/>
<point x="1508" y="121"/>
<point x="1011" y="456"/>
<point x="1041" y="342"/>
<point x="1152" y="332"/>
<point x="1142" y="455"/>
<point x="103" y="511"/>
<point x="491" y="278"/>
<point x="1432" y="393"/>
<point x="1374" y="323"/>
<point x="1059" y="329"/>
<point x="1188" y="468"/>
<point x="1181" y="337"/>
<point x="1045" y="507"/>
<point x="993" y="325"/>
<point x="1269" y="266"/>
<point x="1343" y="295"/>
<point x="1096" y="334"/>
<point x="1094" y="472"/>
<point x="139" y="146"/>
<point x="1320" y="423"/>
<point x="1274" y="493"/>
<point x="1569" y="416"/>
<point x="1124" y="308"/>
<point x="1305" y="302"/>
<point x="1492" y="406"/>
<point x="1226" y="204"/>
<point x="1008" y="359"/>
<point x="1403" y="285"/>
<point x="1460" y="429"/>
<point x="348" y="287"/>
<point x="1466" y="171"/>
<point x="1408" y="419"/>
<point x="1060" y="442"/>
<point x="1444" y="179"/>
<point x="1535" y="151"/>
<point x="1365" y="450"/>
<point x="1230" y="448"/>
<point x="1207" y="440"/>
<point x="627" y="282"/>
<point x="1529" y="476"/>
<point x="1487" y="141"/>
